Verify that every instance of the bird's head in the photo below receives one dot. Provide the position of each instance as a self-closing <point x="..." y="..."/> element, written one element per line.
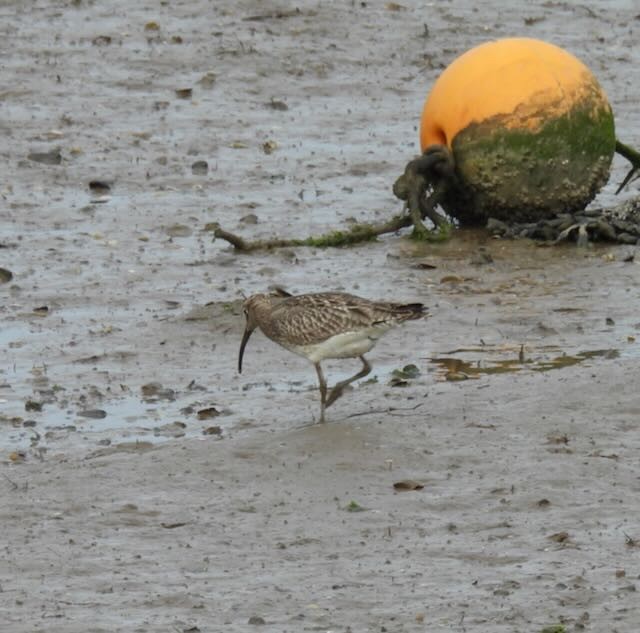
<point x="256" y="308"/>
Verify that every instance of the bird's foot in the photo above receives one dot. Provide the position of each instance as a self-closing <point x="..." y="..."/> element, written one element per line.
<point x="336" y="392"/>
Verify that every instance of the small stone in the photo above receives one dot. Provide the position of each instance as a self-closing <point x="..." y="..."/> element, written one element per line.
<point x="481" y="257"/>
<point x="100" y="186"/>
<point x="54" y="157"/>
<point x="274" y="104"/>
<point x="605" y="231"/>
<point x="456" y="376"/>
<point x="561" y="221"/>
<point x="178" y="230"/>
<point x="268" y="147"/>
<point x="559" y="537"/>
<point x="208" y="413"/>
<point x="32" y="405"/>
<point x="250" y="218"/>
<point x="256" y="620"/>
<point x="94" y="414"/>
<point x="497" y="227"/>
<point x="207" y="80"/>
<point x="627" y="238"/>
<point x="451" y="279"/>
<point x="155" y="391"/>
<point x="102" y="40"/>
<point x="172" y="429"/>
<point x="545" y="233"/>
<point x="200" y="168"/>
<point x="408" y="484"/>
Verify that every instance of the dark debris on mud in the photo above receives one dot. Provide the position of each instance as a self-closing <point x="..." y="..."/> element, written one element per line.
<point x="620" y="224"/>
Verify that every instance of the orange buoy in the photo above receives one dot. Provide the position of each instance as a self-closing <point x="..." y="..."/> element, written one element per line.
<point x="529" y="127"/>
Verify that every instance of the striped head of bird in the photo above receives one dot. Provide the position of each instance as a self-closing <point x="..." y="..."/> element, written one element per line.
<point x="256" y="309"/>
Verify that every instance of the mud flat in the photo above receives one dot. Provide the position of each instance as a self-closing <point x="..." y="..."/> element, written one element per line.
<point x="145" y="486"/>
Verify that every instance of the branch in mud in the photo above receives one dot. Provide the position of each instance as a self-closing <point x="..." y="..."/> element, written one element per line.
<point x="633" y="157"/>
<point x="356" y="234"/>
<point x="430" y="172"/>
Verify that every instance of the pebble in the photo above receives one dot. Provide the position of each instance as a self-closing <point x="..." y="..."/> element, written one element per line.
<point x="54" y="157"/>
<point x="200" y="168"/>
<point x="93" y="414"/>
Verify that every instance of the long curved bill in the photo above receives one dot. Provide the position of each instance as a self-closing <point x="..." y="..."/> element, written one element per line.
<point x="243" y="344"/>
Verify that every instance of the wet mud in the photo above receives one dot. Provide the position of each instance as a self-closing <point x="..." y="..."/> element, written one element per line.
<point x="146" y="486"/>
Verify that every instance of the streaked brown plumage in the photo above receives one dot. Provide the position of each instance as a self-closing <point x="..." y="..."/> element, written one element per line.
<point x="324" y="325"/>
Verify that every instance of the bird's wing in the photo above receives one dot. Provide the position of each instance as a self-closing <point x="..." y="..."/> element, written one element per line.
<point x="310" y="319"/>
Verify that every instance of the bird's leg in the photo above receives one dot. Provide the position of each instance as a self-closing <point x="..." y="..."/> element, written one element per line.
<point x="336" y="392"/>
<point x="323" y="390"/>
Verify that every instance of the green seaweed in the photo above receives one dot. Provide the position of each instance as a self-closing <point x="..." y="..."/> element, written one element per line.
<point x="359" y="233"/>
<point x="581" y="130"/>
<point x="408" y="371"/>
<point x="354" y="506"/>
<point x="438" y="234"/>
<point x="515" y="174"/>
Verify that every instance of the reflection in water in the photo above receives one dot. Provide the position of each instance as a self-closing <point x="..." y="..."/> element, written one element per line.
<point x="452" y="368"/>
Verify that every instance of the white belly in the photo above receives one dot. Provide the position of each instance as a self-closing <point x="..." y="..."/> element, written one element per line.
<point x="346" y="345"/>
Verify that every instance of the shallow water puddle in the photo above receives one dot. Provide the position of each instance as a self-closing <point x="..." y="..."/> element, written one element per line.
<point x="453" y="369"/>
<point x="125" y="419"/>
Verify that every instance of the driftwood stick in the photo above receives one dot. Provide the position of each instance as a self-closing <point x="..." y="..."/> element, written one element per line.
<point x="241" y="244"/>
<point x="234" y="240"/>
<point x="357" y="233"/>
